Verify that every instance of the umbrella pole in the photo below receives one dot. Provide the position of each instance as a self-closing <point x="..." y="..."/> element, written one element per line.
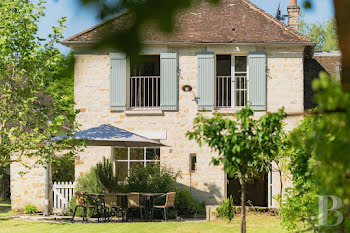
<point x="47" y="188"/>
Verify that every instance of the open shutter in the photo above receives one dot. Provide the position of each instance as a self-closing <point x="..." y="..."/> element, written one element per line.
<point x="205" y="80"/>
<point x="169" y="82"/>
<point x="117" y="88"/>
<point x="257" y="80"/>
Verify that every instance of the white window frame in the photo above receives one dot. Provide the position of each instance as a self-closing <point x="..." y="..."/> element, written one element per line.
<point x="133" y="160"/>
<point x="233" y="87"/>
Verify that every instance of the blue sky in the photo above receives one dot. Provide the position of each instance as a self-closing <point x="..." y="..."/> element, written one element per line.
<point x="81" y="18"/>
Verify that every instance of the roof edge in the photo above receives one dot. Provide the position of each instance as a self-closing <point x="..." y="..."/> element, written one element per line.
<point x="94" y="27"/>
<point x="305" y="43"/>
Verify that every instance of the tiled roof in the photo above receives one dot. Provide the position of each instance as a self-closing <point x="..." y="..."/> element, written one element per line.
<point x="231" y="21"/>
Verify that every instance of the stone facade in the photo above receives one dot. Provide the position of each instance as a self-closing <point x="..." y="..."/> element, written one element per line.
<point x="208" y="183"/>
<point x="27" y="185"/>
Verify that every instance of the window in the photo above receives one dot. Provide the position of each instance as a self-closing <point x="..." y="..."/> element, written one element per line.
<point x="193" y="162"/>
<point x="145" y="82"/>
<point x="127" y="159"/>
<point x="231" y="81"/>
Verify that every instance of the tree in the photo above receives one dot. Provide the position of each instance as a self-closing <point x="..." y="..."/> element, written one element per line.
<point x="320" y="163"/>
<point x="61" y="87"/>
<point x="245" y="146"/>
<point x="323" y="35"/>
<point x="29" y="115"/>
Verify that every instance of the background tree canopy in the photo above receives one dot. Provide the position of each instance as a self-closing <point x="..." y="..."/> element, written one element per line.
<point x="31" y="113"/>
<point x="323" y="35"/>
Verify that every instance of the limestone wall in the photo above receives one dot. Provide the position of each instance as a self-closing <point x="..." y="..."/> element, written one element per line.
<point x="29" y="187"/>
<point x="285" y="89"/>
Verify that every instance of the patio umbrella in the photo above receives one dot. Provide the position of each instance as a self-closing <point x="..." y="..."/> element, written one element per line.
<point x="108" y="135"/>
<point x="103" y="135"/>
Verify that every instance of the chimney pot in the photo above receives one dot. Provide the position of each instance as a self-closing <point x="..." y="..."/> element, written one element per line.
<point x="293" y="2"/>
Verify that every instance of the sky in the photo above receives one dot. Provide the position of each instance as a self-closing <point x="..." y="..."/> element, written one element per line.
<point x="80" y="18"/>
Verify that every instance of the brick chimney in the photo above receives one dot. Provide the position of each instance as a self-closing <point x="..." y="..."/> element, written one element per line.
<point x="293" y="15"/>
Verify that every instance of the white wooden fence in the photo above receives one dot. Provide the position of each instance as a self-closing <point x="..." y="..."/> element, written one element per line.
<point x="62" y="194"/>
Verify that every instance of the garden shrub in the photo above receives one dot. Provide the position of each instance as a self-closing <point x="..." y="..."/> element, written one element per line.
<point x="152" y="178"/>
<point x="106" y="175"/>
<point x="30" y="209"/>
<point x="226" y="210"/>
<point x="187" y="206"/>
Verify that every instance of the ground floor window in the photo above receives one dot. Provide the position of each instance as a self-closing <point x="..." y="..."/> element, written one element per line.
<point x="127" y="159"/>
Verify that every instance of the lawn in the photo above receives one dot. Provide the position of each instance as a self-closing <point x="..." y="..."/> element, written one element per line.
<point x="256" y="223"/>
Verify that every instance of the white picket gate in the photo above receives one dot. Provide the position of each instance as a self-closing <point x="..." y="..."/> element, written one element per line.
<point x="62" y="194"/>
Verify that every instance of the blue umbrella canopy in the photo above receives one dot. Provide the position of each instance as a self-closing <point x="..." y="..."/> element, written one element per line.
<point x="108" y="135"/>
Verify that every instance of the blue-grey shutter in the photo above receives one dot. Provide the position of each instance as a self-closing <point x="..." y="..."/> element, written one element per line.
<point x="117" y="88"/>
<point x="257" y="80"/>
<point x="169" y="83"/>
<point x="205" y="80"/>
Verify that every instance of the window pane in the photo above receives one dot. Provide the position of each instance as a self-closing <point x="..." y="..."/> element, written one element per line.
<point x="240" y="64"/>
<point x="136" y="165"/>
<point x="223" y="65"/>
<point x="136" y="154"/>
<point x="152" y="153"/>
<point x="122" y="170"/>
<point x="121" y="153"/>
<point x="148" y="65"/>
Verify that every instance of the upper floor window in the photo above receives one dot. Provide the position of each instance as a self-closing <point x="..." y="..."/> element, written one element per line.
<point x="231" y="81"/>
<point x="145" y="82"/>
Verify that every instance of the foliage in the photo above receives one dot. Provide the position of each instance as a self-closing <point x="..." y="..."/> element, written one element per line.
<point x="226" y="210"/>
<point x="321" y="164"/>
<point x="63" y="169"/>
<point x="106" y="175"/>
<point x="245" y="146"/>
<point x="61" y="87"/>
<point x="159" y="13"/>
<point x="323" y="35"/>
<point x="186" y="205"/>
<point x="301" y="204"/>
<point x="29" y="116"/>
<point x="30" y="209"/>
<point x="90" y="183"/>
<point x="152" y="178"/>
<point x="5" y="183"/>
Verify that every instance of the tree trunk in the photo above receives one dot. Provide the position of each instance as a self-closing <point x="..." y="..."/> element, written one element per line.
<point x="243" y="201"/>
<point x="342" y="8"/>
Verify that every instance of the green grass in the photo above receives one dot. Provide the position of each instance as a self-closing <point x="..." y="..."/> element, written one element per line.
<point x="256" y="223"/>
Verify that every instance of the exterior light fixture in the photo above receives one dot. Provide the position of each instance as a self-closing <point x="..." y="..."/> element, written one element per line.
<point x="187" y="88"/>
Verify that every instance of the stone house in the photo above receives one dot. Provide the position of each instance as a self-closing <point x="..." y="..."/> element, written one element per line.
<point x="220" y="58"/>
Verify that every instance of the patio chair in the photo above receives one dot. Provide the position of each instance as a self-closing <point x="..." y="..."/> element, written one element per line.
<point x="80" y="202"/>
<point x="111" y="206"/>
<point x="135" y="202"/>
<point x="169" y="203"/>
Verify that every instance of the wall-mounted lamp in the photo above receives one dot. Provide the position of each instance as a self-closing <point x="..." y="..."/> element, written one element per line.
<point x="187" y="88"/>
